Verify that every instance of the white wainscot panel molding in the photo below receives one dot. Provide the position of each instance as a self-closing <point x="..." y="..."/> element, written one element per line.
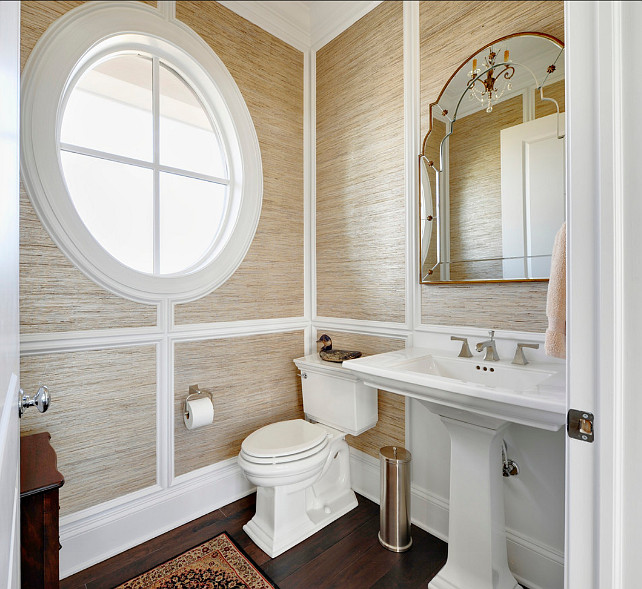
<point x="100" y="532"/>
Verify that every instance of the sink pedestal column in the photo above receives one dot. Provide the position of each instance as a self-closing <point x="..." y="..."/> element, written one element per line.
<point x="477" y="556"/>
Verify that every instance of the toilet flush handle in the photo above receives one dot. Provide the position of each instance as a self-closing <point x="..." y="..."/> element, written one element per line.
<point x="303" y="375"/>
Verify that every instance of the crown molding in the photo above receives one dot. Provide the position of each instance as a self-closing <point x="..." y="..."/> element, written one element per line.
<point x="304" y="25"/>
<point x="287" y="20"/>
<point x="330" y="18"/>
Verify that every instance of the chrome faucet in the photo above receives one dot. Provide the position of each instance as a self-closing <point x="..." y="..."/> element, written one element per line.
<point x="489" y="346"/>
<point x="520" y="358"/>
<point x="465" y="350"/>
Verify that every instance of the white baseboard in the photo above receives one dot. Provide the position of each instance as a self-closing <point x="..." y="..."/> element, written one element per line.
<point x="533" y="563"/>
<point x="101" y="532"/>
<point x="364" y="474"/>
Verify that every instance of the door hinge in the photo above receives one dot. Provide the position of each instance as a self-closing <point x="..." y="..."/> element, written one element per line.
<point x="579" y="425"/>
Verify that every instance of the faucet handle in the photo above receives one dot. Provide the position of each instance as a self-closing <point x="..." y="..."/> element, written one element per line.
<point x="491" y="334"/>
<point x="465" y="350"/>
<point x="520" y="357"/>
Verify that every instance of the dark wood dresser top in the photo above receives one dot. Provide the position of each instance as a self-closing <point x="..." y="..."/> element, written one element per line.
<point x="38" y="465"/>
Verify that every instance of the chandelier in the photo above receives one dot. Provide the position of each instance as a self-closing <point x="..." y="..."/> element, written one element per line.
<point x="489" y="88"/>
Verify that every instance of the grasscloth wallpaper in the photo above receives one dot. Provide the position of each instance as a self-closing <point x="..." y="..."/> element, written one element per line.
<point x="103" y="416"/>
<point x="360" y="201"/>
<point x="54" y="295"/>
<point x="449" y="33"/>
<point x="102" y="420"/>
<point x="57" y="297"/>
<point x="254" y="382"/>
<point x="269" y="73"/>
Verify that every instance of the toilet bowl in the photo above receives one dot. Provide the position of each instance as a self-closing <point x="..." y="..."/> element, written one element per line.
<point x="297" y="492"/>
<point x="301" y="470"/>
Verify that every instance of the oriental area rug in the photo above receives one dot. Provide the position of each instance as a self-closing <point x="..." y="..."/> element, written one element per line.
<point x="216" y="564"/>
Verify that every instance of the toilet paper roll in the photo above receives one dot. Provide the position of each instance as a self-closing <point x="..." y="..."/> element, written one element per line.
<point x="199" y="412"/>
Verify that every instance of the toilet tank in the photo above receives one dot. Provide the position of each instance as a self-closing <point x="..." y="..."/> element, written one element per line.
<point x="334" y="396"/>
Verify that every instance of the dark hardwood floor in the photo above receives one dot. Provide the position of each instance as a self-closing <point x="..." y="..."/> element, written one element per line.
<point x="344" y="555"/>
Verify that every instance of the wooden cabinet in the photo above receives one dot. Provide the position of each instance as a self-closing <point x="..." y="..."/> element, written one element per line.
<point x="39" y="484"/>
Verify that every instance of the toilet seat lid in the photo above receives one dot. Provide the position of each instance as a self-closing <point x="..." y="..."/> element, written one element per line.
<point x="283" y="438"/>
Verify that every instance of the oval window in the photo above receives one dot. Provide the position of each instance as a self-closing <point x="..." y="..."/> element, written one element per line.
<point x="156" y="190"/>
<point x="144" y="164"/>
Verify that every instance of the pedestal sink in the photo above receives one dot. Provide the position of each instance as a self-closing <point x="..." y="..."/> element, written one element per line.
<point x="476" y="400"/>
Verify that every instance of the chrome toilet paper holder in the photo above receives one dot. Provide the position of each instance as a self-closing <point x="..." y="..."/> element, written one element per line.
<point x="194" y="391"/>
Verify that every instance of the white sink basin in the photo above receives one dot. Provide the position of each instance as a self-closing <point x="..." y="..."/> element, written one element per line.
<point x="480" y="373"/>
<point x="476" y="401"/>
<point x="530" y="395"/>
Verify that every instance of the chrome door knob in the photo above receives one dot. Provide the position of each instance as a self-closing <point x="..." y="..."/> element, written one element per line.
<point x="41" y="400"/>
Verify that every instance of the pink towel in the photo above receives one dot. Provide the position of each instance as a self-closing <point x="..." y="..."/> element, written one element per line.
<point x="555" y="341"/>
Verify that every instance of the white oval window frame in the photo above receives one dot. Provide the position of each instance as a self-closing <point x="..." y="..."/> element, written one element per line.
<point x="68" y="44"/>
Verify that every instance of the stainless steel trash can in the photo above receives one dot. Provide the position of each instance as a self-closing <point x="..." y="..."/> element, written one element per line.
<point x="394" y="516"/>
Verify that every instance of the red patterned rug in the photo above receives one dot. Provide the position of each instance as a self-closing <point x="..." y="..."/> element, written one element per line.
<point x="216" y="564"/>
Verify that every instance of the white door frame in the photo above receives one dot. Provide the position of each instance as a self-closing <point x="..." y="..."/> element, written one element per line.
<point x="604" y="479"/>
<point x="9" y="325"/>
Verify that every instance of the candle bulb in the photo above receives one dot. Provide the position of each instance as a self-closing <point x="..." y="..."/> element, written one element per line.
<point x="506" y="55"/>
<point x="474" y="65"/>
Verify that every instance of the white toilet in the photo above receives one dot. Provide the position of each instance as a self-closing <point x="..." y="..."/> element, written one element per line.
<point x="302" y="470"/>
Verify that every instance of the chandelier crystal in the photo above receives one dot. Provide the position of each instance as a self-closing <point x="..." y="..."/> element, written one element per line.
<point x="489" y="88"/>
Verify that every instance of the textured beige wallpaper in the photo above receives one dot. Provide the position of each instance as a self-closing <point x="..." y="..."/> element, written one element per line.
<point x="360" y="201"/>
<point x="391" y="427"/>
<point x="511" y="306"/>
<point x="102" y="420"/>
<point x="269" y="73"/>
<point x="54" y="295"/>
<point x="518" y="306"/>
<point x="255" y="382"/>
<point x="555" y="91"/>
<point x="35" y="18"/>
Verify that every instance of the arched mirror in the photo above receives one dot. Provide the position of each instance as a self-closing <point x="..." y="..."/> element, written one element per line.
<point x="492" y="166"/>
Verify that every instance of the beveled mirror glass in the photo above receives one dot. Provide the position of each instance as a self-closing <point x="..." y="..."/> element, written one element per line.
<point x="492" y="167"/>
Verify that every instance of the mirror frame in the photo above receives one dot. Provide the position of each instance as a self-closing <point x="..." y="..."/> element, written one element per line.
<point x="423" y="156"/>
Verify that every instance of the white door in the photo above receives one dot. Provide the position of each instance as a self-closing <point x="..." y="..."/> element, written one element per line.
<point x="9" y="347"/>
<point x="604" y="479"/>
<point x="533" y="194"/>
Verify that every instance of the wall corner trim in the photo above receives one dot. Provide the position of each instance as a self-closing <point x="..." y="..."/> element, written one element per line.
<point x="330" y="19"/>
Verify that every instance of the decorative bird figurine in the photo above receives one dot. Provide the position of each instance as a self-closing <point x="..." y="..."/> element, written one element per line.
<point x="327" y="353"/>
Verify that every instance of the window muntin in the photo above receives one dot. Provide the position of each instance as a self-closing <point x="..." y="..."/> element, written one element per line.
<point x="191" y="210"/>
<point x="118" y="210"/>
<point x="184" y="122"/>
<point x="126" y="115"/>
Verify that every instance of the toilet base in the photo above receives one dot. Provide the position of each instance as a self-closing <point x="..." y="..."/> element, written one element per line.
<point x="308" y="523"/>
